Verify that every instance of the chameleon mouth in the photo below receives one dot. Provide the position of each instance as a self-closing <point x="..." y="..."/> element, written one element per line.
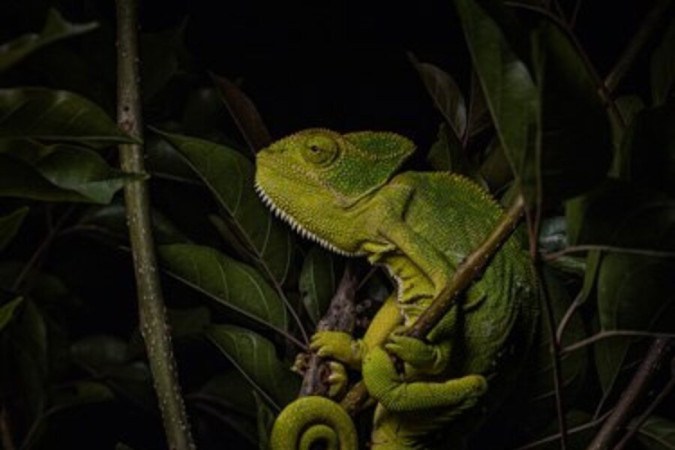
<point x="302" y="231"/>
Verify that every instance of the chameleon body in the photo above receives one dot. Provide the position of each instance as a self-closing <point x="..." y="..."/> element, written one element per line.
<point x="342" y="190"/>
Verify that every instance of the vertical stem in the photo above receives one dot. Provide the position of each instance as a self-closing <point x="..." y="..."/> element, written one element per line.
<point x="152" y="312"/>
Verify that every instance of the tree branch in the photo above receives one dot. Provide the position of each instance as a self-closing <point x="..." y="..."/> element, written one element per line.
<point x="630" y="397"/>
<point x="153" y="320"/>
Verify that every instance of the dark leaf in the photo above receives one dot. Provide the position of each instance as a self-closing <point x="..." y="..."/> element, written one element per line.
<point x="100" y="351"/>
<point x="229" y="176"/>
<point x="265" y="421"/>
<point x="657" y="433"/>
<point x="479" y="115"/>
<point x="81" y="393"/>
<point x="39" y="113"/>
<point x="663" y="66"/>
<point x="244" y="113"/>
<point x="7" y="311"/>
<point x="56" y="28"/>
<point x="446" y="95"/>
<point x="447" y="153"/>
<point x="227" y="281"/>
<point x="233" y="390"/>
<point x="189" y="321"/>
<point x="10" y="224"/>
<point x="317" y="282"/>
<point x="628" y="106"/>
<point x="256" y="359"/>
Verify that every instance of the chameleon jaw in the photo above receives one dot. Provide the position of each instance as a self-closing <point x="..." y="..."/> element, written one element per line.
<point x="283" y="215"/>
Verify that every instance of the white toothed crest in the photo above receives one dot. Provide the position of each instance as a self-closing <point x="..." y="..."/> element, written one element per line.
<point x="281" y="214"/>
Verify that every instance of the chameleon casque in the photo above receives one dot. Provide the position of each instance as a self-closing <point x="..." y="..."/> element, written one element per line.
<point x="342" y="191"/>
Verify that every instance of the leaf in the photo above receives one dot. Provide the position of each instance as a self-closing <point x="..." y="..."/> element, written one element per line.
<point x="622" y="214"/>
<point x="61" y="173"/>
<point x="232" y="389"/>
<point x="479" y="115"/>
<point x="317" y="282"/>
<point x="447" y="152"/>
<point x="265" y="422"/>
<point x="40" y="113"/>
<point x="657" y="433"/>
<point x="229" y="176"/>
<point x="628" y="107"/>
<point x="510" y="92"/>
<point x="188" y="321"/>
<point x="244" y="113"/>
<point x="255" y="357"/>
<point x="227" y="281"/>
<point x="81" y="393"/>
<point x="633" y="294"/>
<point x="55" y="28"/>
<point x="112" y="220"/>
<point x="575" y="136"/>
<point x="445" y="93"/>
<point x="10" y="224"/>
<point x="663" y="66"/>
<point x="7" y="311"/>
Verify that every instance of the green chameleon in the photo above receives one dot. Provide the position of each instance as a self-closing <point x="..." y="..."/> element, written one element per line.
<point x="341" y="190"/>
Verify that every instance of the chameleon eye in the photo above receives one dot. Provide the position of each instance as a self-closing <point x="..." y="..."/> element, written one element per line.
<point x="320" y="150"/>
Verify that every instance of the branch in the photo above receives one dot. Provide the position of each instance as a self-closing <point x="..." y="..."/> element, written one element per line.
<point x="472" y="266"/>
<point x="153" y="320"/>
<point x="630" y="397"/>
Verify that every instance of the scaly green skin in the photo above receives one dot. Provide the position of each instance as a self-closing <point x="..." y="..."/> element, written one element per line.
<point x="341" y="191"/>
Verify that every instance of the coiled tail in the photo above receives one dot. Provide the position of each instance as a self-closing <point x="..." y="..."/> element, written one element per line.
<point x="313" y="419"/>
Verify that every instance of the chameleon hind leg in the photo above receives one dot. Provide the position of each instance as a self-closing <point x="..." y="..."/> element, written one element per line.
<point x="396" y="395"/>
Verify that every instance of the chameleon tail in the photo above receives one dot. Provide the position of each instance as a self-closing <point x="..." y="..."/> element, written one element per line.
<point x="313" y="419"/>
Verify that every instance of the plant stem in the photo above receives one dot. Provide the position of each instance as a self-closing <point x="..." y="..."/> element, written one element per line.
<point x="152" y="312"/>
<point x="630" y="397"/>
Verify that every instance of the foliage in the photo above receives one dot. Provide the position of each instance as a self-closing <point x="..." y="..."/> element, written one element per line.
<point x="597" y="169"/>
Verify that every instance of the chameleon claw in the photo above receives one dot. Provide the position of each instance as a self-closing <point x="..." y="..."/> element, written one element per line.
<point x="337" y="380"/>
<point x="301" y="363"/>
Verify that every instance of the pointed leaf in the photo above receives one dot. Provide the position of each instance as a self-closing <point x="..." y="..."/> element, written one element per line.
<point x="56" y="28"/>
<point x="256" y="358"/>
<point x="265" y="421"/>
<point x="317" y="282"/>
<point x="227" y="281"/>
<point x="447" y="153"/>
<point x="39" y="113"/>
<point x="663" y="66"/>
<point x="510" y="92"/>
<point x="657" y="433"/>
<point x="445" y="93"/>
<point x="7" y="311"/>
<point x="229" y="176"/>
<point x="10" y="224"/>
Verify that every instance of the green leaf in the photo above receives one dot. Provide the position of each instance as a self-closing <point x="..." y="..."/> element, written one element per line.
<point x="575" y="137"/>
<point x="255" y="357"/>
<point x="39" y="113"/>
<point x="317" y="282"/>
<point x="628" y="106"/>
<point x="111" y="220"/>
<point x="510" y="93"/>
<point x="81" y="393"/>
<point x="233" y="390"/>
<point x="624" y="215"/>
<point x="265" y="421"/>
<point x="189" y="321"/>
<point x="227" y="281"/>
<point x="445" y="93"/>
<point x="657" y="433"/>
<point x="56" y="28"/>
<point x="7" y="311"/>
<point x="229" y="176"/>
<point x="10" y="224"/>
<point x="447" y="152"/>
<point x="663" y="66"/>
<point x="633" y="294"/>
<point x="60" y="173"/>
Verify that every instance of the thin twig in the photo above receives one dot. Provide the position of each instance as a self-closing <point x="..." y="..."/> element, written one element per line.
<point x="614" y="333"/>
<point x="574" y="430"/>
<point x="630" y="397"/>
<point x="607" y="248"/>
<point x="152" y="311"/>
<point x="633" y="428"/>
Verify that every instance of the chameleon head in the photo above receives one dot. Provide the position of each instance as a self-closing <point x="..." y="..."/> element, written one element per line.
<point x="311" y="178"/>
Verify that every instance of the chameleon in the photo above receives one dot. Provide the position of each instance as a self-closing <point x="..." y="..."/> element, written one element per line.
<point x="343" y="191"/>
